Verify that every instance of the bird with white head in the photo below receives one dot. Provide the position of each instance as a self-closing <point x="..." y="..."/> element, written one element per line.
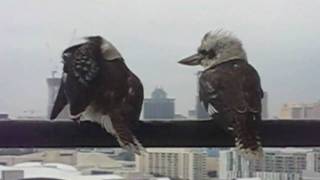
<point x="217" y="47"/>
<point x="230" y="89"/>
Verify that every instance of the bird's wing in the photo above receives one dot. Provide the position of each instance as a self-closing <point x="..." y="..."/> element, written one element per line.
<point x="231" y="88"/>
<point x="84" y="64"/>
<point x="125" y="115"/>
<point x="73" y="93"/>
<point x="60" y="102"/>
<point x="233" y="93"/>
<point x="252" y="89"/>
<point x="78" y="96"/>
<point x="80" y="68"/>
<point x="134" y="96"/>
<point x="210" y="92"/>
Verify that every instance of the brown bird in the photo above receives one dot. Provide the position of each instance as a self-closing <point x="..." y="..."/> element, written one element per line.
<point x="98" y="85"/>
<point x="230" y="89"/>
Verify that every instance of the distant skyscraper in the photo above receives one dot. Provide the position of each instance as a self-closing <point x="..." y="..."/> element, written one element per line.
<point x="159" y="106"/>
<point x="300" y="111"/>
<point x="291" y="111"/>
<point x="316" y="110"/>
<point x="4" y="116"/>
<point x="53" y="88"/>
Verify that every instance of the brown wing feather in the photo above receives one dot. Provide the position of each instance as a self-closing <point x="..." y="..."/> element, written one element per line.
<point x="232" y="86"/>
<point x="125" y="114"/>
<point x="234" y="90"/>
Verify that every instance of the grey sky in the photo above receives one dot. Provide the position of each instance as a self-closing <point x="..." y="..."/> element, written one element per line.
<point x="281" y="37"/>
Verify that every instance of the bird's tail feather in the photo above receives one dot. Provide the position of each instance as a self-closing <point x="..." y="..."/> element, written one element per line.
<point x="127" y="140"/>
<point x="247" y="139"/>
<point x="124" y="135"/>
<point x="117" y="127"/>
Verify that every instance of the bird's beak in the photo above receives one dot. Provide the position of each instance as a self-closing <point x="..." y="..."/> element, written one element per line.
<point x="192" y="60"/>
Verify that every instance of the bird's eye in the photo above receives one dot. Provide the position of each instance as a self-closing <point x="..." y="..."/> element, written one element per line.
<point x="211" y="54"/>
<point x="203" y="51"/>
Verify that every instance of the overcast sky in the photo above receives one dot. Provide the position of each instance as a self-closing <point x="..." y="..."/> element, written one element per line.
<point x="282" y="40"/>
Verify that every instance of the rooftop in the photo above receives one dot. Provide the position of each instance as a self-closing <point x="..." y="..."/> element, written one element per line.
<point x="55" y="170"/>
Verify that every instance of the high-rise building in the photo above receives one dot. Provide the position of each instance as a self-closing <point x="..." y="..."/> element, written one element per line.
<point x="313" y="159"/>
<point x="312" y="171"/>
<point x="300" y="111"/>
<point x="277" y="164"/>
<point x="316" y="110"/>
<point x="4" y="116"/>
<point x="159" y="106"/>
<point x="53" y="88"/>
<point x="174" y="162"/>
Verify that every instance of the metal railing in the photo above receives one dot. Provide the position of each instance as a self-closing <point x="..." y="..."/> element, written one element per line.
<point x="194" y="133"/>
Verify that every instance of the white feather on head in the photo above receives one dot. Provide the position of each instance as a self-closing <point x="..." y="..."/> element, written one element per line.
<point x="109" y="51"/>
<point x="226" y="46"/>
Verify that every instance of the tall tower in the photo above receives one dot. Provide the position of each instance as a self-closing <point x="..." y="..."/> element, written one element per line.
<point x="53" y="88"/>
<point x="159" y="106"/>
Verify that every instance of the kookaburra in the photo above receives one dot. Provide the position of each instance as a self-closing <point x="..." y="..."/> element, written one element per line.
<point x="230" y="89"/>
<point x="97" y="84"/>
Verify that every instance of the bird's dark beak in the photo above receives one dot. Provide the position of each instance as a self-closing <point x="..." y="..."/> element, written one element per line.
<point x="192" y="60"/>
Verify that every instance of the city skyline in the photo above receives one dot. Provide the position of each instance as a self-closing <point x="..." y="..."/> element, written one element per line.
<point x="157" y="106"/>
<point x="288" y="110"/>
<point x="181" y="163"/>
<point x="152" y="36"/>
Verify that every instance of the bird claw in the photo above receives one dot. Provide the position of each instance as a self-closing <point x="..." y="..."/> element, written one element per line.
<point x="76" y="120"/>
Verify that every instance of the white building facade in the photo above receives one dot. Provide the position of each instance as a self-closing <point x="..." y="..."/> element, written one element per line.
<point x="174" y="162"/>
<point x="277" y="164"/>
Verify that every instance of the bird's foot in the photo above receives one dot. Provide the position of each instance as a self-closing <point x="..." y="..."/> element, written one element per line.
<point x="134" y="146"/>
<point x="76" y="120"/>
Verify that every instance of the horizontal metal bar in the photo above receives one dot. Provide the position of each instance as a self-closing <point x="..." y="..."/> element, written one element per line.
<point x="58" y="134"/>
